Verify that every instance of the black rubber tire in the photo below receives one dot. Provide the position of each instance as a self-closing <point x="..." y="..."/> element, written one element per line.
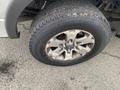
<point x="66" y="15"/>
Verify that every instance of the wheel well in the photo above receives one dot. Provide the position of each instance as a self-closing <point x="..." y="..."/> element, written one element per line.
<point x="19" y="8"/>
<point x="13" y="13"/>
<point x="35" y="7"/>
<point x="30" y="8"/>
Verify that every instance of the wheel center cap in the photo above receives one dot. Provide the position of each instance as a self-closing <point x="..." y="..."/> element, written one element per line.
<point x="69" y="44"/>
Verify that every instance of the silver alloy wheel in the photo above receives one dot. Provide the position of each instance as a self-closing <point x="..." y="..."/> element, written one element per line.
<point x="70" y="45"/>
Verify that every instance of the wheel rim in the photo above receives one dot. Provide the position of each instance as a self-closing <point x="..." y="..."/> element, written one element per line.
<point x="70" y="45"/>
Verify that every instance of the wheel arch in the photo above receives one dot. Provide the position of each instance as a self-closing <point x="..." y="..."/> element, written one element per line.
<point x="14" y="10"/>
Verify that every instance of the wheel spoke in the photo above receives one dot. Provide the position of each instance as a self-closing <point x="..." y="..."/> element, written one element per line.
<point x="71" y="34"/>
<point x="68" y="55"/>
<point x="57" y="52"/>
<point x="83" y="50"/>
<point x="86" y="40"/>
<point x="55" y="42"/>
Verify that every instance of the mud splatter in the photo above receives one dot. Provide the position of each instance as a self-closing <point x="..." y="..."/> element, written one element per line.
<point x="7" y="70"/>
<point x="85" y="87"/>
<point x="72" y="78"/>
<point x="4" y="68"/>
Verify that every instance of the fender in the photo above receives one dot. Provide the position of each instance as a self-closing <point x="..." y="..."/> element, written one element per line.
<point x="15" y="9"/>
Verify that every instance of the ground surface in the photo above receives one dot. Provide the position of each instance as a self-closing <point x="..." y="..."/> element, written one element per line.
<point x="20" y="71"/>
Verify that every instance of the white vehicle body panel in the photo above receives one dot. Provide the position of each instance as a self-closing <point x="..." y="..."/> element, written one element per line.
<point x="4" y="5"/>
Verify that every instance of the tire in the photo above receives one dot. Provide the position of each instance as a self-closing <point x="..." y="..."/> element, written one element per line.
<point x="68" y="15"/>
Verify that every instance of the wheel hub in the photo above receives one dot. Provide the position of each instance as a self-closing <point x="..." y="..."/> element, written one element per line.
<point x="70" y="45"/>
